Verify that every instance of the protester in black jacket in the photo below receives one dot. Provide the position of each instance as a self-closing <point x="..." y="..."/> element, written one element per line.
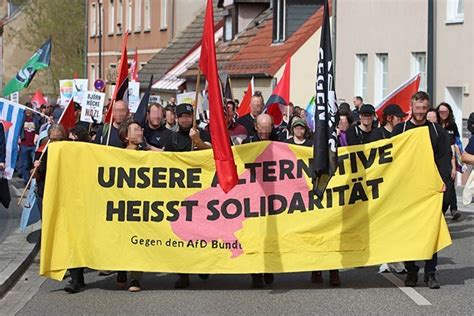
<point x="442" y="156"/>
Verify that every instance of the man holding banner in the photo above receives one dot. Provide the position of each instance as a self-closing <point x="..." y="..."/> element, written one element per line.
<point x="420" y="103"/>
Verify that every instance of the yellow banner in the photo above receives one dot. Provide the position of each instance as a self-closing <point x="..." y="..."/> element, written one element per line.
<point x="114" y="209"/>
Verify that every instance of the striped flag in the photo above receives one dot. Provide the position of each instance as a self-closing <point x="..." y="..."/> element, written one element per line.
<point x="14" y="114"/>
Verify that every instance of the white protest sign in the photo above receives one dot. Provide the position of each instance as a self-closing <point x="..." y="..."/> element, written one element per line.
<point x="133" y="96"/>
<point x="92" y="107"/>
<point x="65" y="91"/>
<point x="79" y="89"/>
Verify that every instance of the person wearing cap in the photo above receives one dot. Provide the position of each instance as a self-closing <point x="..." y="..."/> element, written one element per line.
<point x="360" y="134"/>
<point x="187" y="138"/>
<point x="420" y="103"/>
<point x="300" y="132"/>
<point x="392" y="115"/>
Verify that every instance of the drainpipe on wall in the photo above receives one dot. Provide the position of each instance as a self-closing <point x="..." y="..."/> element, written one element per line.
<point x="86" y="37"/>
<point x="431" y="51"/>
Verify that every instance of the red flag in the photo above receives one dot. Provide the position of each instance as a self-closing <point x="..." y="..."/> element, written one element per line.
<point x="401" y="95"/>
<point x="223" y="156"/>
<point x="280" y="95"/>
<point x="38" y="99"/>
<point x="68" y="118"/>
<point x="134" y="67"/>
<point x="6" y="125"/>
<point x="244" y="107"/>
<point x="121" y="77"/>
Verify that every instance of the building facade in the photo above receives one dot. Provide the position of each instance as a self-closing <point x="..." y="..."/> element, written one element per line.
<point x="381" y="44"/>
<point x="151" y="24"/>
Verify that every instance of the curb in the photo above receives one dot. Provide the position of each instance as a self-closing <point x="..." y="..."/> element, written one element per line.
<point x="20" y="263"/>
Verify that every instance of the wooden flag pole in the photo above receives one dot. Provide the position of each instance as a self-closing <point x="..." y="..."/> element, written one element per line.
<point x="32" y="174"/>
<point x="198" y="81"/>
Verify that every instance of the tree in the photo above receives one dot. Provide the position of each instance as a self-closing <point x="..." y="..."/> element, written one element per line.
<point x="63" y="21"/>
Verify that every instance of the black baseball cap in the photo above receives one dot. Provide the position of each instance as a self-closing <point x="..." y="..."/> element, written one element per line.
<point x="394" y="109"/>
<point x="367" y="109"/>
<point x="184" y="108"/>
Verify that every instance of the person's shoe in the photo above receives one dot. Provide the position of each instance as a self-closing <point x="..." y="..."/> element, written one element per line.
<point x="456" y="215"/>
<point x="182" y="282"/>
<point x="134" y="286"/>
<point x="73" y="287"/>
<point x="334" y="278"/>
<point x="431" y="280"/>
<point x="411" y="279"/>
<point x="257" y="281"/>
<point x="121" y="279"/>
<point x="316" y="277"/>
<point x="268" y="278"/>
<point x="203" y="276"/>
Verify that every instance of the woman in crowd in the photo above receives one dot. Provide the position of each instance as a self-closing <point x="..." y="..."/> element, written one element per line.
<point x="392" y="115"/>
<point x="131" y="134"/>
<point x="446" y="120"/>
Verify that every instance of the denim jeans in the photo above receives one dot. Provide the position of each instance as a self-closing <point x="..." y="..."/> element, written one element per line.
<point x="26" y="161"/>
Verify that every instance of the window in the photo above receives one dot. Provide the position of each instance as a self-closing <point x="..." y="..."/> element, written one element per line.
<point x="93" y="19"/>
<point x="111" y="17"/>
<point x="455" y="11"/>
<point x="418" y="65"/>
<point x="92" y="76"/>
<point x="381" y="77"/>
<point x="129" y="15"/>
<point x="228" y="28"/>
<point x="138" y="15"/>
<point x="361" y="75"/>
<point x="119" y="16"/>
<point x="279" y="20"/>
<point x="112" y="73"/>
<point x="147" y="15"/>
<point x="164" y="15"/>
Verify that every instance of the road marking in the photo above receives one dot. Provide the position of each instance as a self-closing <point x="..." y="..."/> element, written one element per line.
<point x="409" y="291"/>
<point x="17" y="192"/>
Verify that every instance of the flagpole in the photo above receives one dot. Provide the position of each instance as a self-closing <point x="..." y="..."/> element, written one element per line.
<point x="41" y="157"/>
<point x="32" y="174"/>
<point x="110" y="123"/>
<point x="230" y="85"/>
<point x="198" y="81"/>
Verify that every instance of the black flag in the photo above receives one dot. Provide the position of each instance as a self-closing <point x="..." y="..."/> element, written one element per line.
<point x="325" y="137"/>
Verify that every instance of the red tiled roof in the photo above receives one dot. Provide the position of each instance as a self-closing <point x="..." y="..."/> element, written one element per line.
<point x="258" y="54"/>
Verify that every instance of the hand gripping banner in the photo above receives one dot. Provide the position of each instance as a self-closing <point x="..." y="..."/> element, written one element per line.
<point x="112" y="209"/>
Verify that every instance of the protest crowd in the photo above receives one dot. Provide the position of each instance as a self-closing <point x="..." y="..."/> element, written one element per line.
<point x="171" y="128"/>
<point x="175" y="127"/>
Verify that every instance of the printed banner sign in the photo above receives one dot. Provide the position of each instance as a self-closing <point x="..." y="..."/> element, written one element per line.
<point x="154" y="99"/>
<point x="122" y="210"/>
<point x="65" y="91"/>
<point x="92" y="107"/>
